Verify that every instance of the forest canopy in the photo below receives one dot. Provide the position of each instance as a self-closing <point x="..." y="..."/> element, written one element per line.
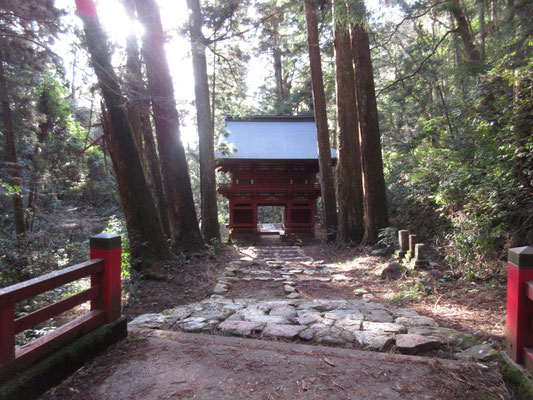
<point x="99" y="118"/>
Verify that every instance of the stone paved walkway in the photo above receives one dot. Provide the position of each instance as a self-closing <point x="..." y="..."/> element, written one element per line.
<point x="347" y="322"/>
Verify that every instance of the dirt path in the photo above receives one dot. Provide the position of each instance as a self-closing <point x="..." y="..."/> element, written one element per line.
<point x="172" y="365"/>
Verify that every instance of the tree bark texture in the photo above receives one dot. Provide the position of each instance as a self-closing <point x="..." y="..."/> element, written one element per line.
<point x="147" y="239"/>
<point x="206" y="135"/>
<point x="327" y="186"/>
<point x="174" y="167"/>
<point x="376" y="217"/>
<point x="14" y="168"/>
<point x="350" y="185"/>
<point x="139" y="112"/>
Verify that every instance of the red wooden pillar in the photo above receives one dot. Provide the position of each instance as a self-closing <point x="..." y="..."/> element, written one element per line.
<point x="519" y="306"/>
<point x="288" y="228"/>
<point x="108" y="247"/>
<point x="231" y="212"/>
<point x="313" y="212"/>
<point x="7" y="334"/>
<point x="254" y="208"/>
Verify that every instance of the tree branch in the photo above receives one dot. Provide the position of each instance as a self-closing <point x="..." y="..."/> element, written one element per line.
<point x="426" y="59"/>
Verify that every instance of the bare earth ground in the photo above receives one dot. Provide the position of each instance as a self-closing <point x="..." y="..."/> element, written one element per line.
<point x="175" y="365"/>
<point x="160" y="364"/>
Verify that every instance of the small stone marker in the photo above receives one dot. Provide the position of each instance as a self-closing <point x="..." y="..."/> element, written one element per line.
<point x="403" y="239"/>
<point x="411" y="253"/>
<point x="420" y="256"/>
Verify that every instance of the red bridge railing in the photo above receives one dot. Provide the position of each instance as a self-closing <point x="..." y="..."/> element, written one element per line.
<point x="104" y="295"/>
<point x="519" y="343"/>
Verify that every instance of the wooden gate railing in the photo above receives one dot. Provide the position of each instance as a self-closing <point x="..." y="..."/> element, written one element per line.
<point x="104" y="295"/>
<point x="519" y="343"/>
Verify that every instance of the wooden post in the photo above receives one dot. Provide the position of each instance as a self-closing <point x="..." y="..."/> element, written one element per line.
<point x="108" y="247"/>
<point x="519" y="306"/>
<point x="7" y="334"/>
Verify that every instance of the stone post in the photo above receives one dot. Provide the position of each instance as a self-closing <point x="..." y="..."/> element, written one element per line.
<point x="519" y="306"/>
<point x="403" y="239"/>
<point x="411" y="253"/>
<point x="420" y="256"/>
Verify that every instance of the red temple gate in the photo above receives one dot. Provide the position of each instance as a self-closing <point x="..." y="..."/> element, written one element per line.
<point x="275" y="164"/>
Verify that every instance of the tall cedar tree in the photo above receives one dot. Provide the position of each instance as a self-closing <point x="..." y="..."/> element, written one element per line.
<point x="350" y="186"/>
<point x="327" y="186"/>
<point x="139" y="113"/>
<point x="376" y="216"/>
<point x="174" y="167"/>
<point x="14" y="167"/>
<point x="209" y="212"/>
<point x="142" y="220"/>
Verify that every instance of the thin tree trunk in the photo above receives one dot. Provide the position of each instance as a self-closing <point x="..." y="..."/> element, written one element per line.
<point x="14" y="168"/>
<point x="206" y="136"/>
<point x="327" y="186"/>
<point x="482" y="27"/>
<point x="376" y="217"/>
<point x="171" y="152"/>
<point x="350" y="186"/>
<point x="278" y="71"/>
<point x="140" y="114"/>
<point x="147" y="239"/>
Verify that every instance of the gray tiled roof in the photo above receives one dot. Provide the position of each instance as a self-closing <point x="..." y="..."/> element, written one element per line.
<point x="272" y="138"/>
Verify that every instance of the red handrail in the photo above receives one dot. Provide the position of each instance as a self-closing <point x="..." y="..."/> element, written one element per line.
<point x="104" y="294"/>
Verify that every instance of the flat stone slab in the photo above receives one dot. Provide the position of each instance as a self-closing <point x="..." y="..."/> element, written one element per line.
<point x="283" y="331"/>
<point x="239" y="328"/>
<point x="414" y="344"/>
<point x="226" y="368"/>
<point x="481" y="352"/>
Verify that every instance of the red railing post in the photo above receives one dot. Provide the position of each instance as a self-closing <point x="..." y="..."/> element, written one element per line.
<point x="519" y="306"/>
<point x="7" y="334"/>
<point x="108" y="247"/>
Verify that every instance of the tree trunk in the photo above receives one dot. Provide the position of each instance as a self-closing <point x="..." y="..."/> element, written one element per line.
<point x="327" y="186"/>
<point x="45" y="128"/>
<point x="376" y="217"/>
<point x="147" y="239"/>
<point x="171" y="153"/>
<point x="523" y="131"/>
<point x="465" y="33"/>
<point x="14" y="168"/>
<point x="206" y="136"/>
<point x="139" y="112"/>
<point x="278" y="70"/>
<point x="350" y="186"/>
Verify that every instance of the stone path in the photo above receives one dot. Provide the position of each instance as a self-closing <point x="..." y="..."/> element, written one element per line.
<point x="347" y="322"/>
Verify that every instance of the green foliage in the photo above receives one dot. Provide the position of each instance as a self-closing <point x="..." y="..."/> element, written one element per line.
<point x="388" y="236"/>
<point x="117" y="226"/>
<point x="457" y="140"/>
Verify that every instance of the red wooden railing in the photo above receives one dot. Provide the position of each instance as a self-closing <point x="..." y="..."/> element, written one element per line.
<point x="104" y="295"/>
<point x="519" y="343"/>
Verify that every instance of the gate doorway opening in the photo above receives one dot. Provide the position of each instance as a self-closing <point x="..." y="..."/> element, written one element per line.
<point x="271" y="219"/>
